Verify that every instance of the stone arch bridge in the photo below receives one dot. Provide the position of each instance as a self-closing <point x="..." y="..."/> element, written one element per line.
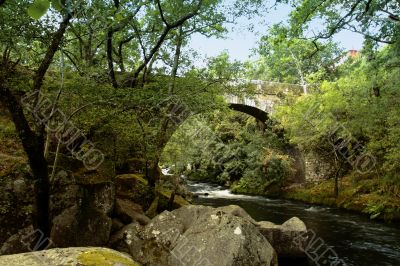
<point x="263" y="99"/>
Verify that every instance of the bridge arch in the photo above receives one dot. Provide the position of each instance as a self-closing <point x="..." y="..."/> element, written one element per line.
<point x="259" y="106"/>
<point x="260" y="115"/>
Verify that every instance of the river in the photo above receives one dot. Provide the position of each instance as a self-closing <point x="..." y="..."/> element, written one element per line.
<point x="356" y="239"/>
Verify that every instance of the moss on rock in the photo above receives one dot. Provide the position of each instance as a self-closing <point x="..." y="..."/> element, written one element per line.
<point x="165" y="195"/>
<point x="93" y="256"/>
<point x="104" y="257"/>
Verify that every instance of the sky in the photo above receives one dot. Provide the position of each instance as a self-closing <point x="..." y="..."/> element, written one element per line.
<point x="240" y="41"/>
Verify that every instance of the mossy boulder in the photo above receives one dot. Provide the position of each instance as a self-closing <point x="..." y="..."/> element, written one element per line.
<point x="66" y="163"/>
<point x="135" y="188"/>
<point x="93" y="256"/>
<point x="75" y="185"/>
<point x="165" y="195"/>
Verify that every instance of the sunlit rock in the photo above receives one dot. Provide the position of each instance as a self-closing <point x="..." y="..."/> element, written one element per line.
<point x="93" y="256"/>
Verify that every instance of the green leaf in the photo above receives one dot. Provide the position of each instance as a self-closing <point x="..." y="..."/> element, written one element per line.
<point x="57" y="5"/>
<point x="38" y="8"/>
<point x="119" y="17"/>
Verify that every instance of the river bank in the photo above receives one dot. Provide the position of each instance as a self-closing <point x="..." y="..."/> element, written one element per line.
<point x="357" y="195"/>
<point x="367" y="195"/>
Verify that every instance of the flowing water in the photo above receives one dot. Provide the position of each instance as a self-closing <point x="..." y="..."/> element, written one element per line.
<point x="356" y="239"/>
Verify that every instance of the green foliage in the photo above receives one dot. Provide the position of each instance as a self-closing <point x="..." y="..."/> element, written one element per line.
<point x="294" y="60"/>
<point x="57" y="5"/>
<point x="375" y="209"/>
<point x="38" y="8"/>
<point x="357" y="193"/>
<point x="277" y="167"/>
<point x="350" y="109"/>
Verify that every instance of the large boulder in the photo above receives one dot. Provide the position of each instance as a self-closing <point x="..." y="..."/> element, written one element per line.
<point x="74" y="184"/>
<point x="175" y="183"/>
<point x="99" y="196"/>
<point x="218" y="238"/>
<point x="78" y="226"/>
<point x="65" y="193"/>
<point x="198" y="235"/>
<point x="188" y="214"/>
<point x="285" y="238"/>
<point x="135" y="188"/>
<point x="98" y="187"/>
<point x="93" y="256"/>
<point x="237" y="211"/>
<point x="127" y="239"/>
<point x="82" y="204"/>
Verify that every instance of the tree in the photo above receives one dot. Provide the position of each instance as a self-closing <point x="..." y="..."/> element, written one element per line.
<point x="32" y="139"/>
<point x="296" y="60"/>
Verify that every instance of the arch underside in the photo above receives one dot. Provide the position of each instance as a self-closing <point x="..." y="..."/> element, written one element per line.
<point x="255" y="112"/>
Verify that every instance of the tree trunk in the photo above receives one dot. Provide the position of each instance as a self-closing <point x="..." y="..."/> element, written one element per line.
<point x="336" y="189"/>
<point x="171" y="199"/>
<point x="174" y="72"/>
<point x="34" y="147"/>
<point x="120" y="54"/>
<point x="111" y="72"/>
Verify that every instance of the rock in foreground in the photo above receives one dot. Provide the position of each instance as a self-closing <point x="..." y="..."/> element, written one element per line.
<point x="199" y="235"/>
<point x="69" y="256"/>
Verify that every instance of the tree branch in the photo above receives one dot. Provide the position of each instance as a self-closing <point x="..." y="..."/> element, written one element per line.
<point x="68" y="55"/>
<point x="353" y="29"/>
<point x="160" y="41"/>
<point x="119" y="52"/>
<point x="162" y="13"/>
<point x="391" y="15"/>
<point x="51" y="50"/>
<point x="342" y="22"/>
